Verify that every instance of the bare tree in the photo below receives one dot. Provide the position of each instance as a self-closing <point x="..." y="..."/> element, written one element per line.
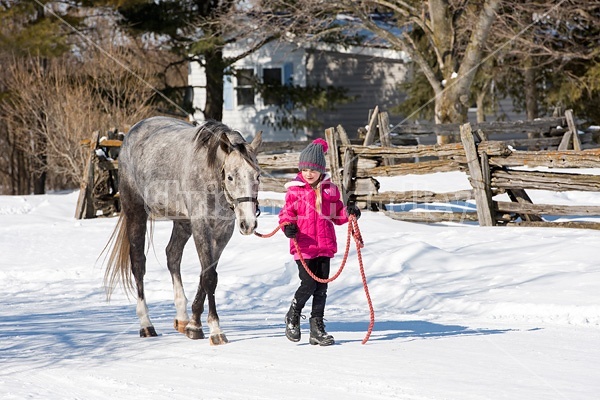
<point x="543" y="40"/>
<point x="469" y="50"/>
<point x="64" y="102"/>
<point x="454" y="32"/>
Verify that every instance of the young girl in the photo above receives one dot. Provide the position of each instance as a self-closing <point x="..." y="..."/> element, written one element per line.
<point x="312" y="205"/>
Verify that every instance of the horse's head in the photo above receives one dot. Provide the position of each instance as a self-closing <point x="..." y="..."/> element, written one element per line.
<point x="240" y="177"/>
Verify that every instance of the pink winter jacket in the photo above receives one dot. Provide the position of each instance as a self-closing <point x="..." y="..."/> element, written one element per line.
<point x="316" y="233"/>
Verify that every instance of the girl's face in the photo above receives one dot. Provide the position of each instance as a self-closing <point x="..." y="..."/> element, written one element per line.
<point x="311" y="176"/>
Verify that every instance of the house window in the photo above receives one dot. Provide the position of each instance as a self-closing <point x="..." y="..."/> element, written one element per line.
<point x="245" y="88"/>
<point x="272" y="82"/>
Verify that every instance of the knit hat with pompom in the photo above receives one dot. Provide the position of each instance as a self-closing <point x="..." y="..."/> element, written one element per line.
<point x="313" y="156"/>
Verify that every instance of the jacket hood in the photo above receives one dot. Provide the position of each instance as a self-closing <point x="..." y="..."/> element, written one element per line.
<point x="299" y="180"/>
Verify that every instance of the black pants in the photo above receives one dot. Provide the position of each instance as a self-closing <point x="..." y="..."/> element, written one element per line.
<point x="309" y="287"/>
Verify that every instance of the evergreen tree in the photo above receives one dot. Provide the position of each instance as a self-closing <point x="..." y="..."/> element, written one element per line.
<point x="192" y="30"/>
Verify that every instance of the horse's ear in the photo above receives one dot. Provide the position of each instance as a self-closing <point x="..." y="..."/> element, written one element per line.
<point x="257" y="141"/>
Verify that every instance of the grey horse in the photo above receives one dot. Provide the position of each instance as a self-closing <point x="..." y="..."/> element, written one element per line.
<point x="203" y="178"/>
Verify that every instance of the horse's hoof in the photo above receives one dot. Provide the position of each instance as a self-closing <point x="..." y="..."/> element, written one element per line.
<point x="194" y="333"/>
<point x="218" y="339"/>
<point x="148" y="332"/>
<point x="180" y="325"/>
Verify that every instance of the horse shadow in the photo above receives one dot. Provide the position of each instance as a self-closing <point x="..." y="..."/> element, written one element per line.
<point x="44" y="339"/>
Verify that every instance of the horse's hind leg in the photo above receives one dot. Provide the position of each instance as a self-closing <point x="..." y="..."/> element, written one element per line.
<point x="136" y="231"/>
<point x="179" y="237"/>
<point x="209" y="250"/>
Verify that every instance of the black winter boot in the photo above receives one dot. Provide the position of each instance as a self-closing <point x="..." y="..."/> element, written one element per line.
<point x="292" y="323"/>
<point x="318" y="334"/>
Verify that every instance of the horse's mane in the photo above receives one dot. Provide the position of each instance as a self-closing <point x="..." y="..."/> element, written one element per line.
<point x="212" y="135"/>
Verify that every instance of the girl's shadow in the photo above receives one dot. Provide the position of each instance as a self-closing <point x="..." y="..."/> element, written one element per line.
<point x="390" y="330"/>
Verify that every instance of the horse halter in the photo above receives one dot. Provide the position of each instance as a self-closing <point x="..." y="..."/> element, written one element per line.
<point x="247" y="199"/>
<point x="234" y="202"/>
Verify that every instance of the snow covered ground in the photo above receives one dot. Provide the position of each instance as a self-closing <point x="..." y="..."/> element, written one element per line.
<point x="461" y="312"/>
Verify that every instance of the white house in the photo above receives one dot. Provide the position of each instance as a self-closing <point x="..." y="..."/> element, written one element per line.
<point x="370" y="74"/>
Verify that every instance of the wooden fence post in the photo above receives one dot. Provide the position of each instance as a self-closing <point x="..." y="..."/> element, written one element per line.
<point x="333" y="156"/>
<point x="370" y="137"/>
<point x="384" y="135"/>
<point x="518" y="195"/>
<point x="343" y="135"/>
<point x="570" y="134"/>
<point x="487" y="181"/>
<point x="85" y="203"/>
<point x="482" y="194"/>
<point x="349" y="163"/>
<point x="573" y="129"/>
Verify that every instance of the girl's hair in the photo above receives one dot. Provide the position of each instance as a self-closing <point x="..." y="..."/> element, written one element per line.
<point x="317" y="189"/>
<point x="318" y="197"/>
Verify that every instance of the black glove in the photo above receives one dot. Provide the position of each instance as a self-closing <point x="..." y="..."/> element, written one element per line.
<point x="352" y="209"/>
<point x="290" y="230"/>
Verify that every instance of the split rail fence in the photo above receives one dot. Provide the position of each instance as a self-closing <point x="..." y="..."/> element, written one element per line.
<point x="489" y="153"/>
<point x="494" y="167"/>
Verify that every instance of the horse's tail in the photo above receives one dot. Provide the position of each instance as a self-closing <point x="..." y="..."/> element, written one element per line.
<point x="118" y="266"/>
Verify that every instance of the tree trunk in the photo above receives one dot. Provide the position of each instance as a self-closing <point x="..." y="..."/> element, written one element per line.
<point x="214" y="67"/>
<point x="531" y="97"/>
<point x="22" y="175"/>
<point x="452" y="105"/>
<point x="449" y="110"/>
<point x="442" y="35"/>
<point x="480" y="106"/>
<point x="39" y="183"/>
<point x="12" y="159"/>
<point x="40" y="166"/>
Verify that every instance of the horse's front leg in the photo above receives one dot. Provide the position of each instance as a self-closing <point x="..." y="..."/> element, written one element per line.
<point x="210" y="285"/>
<point x="193" y="329"/>
<point x="206" y="289"/>
<point x="179" y="237"/>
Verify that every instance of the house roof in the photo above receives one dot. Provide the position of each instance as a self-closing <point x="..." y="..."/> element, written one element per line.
<point x="370" y="44"/>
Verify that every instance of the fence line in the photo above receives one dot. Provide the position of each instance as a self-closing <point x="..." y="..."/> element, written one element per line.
<point x="489" y="164"/>
<point x="494" y="167"/>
